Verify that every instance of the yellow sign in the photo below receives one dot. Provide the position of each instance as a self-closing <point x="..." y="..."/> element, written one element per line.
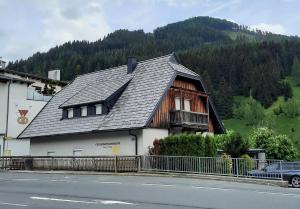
<point x="7" y="152"/>
<point x="115" y="149"/>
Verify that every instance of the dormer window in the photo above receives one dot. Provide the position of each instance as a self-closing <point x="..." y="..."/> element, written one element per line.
<point x="84" y="111"/>
<point x="70" y="113"/>
<point x="98" y="109"/>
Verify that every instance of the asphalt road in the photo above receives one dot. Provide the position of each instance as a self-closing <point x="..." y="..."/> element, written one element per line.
<point x="58" y="191"/>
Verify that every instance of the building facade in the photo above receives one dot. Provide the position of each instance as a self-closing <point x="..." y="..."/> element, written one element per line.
<point x="22" y="98"/>
<point x="121" y="111"/>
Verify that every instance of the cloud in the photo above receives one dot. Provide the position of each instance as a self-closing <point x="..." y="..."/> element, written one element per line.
<point x="274" y="28"/>
<point x="50" y="23"/>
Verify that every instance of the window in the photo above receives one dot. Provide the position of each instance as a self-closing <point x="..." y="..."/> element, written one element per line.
<point x="50" y="153"/>
<point x="177" y="103"/>
<point x="76" y="112"/>
<point x="77" y="152"/>
<point x="98" y="109"/>
<point x="91" y="110"/>
<point x="84" y="111"/>
<point x="187" y="105"/>
<point x="70" y="113"/>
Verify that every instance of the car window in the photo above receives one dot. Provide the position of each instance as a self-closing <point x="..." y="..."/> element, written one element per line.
<point x="288" y="166"/>
<point x="272" y="167"/>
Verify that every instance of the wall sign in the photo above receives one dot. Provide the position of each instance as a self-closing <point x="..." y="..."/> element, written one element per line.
<point x="23" y="119"/>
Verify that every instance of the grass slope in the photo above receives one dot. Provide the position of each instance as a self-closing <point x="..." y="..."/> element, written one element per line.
<point x="281" y="124"/>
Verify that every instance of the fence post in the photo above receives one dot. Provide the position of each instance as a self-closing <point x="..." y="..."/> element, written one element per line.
<point x="116" y="164"/>
<point x="52" y="163"/>
<point x="237" y="167"/>
<point x="281" y="174"/>
<point x="139" y="163"/>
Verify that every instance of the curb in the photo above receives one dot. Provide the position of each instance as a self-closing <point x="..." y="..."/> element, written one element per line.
<point x="164" y="174"/>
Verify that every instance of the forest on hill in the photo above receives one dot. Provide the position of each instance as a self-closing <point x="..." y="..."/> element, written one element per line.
<point x="232" y="60"/>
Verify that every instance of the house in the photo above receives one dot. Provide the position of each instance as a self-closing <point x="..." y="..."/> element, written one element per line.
<point x="22" y="97"/>
<point x="120" y="111"/>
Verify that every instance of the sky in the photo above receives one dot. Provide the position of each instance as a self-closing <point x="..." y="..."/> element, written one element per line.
<point x="29" y="26"/>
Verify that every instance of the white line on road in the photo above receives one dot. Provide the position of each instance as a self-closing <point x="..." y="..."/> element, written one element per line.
<point x="161" y="185"/>
<point x="109" y="182"/>
<point x="60" y="180"/>
<point x="13" y="204"/>
<point x="212" y="188"/>
<point x="104" y="202"/>
<point x="25" y="179"/>
<point x="62" y="200"/>
<point x="111" y="202"/>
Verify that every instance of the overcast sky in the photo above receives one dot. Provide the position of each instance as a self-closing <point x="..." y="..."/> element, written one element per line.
<point x="28" y="26"/>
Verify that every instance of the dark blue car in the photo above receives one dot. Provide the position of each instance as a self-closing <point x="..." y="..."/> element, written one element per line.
<point x="288" y="171"/>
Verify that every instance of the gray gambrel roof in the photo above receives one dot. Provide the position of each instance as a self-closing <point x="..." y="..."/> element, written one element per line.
<point x="134" y="108"/>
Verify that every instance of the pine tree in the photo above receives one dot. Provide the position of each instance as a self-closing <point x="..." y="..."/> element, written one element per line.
<point x="296" y="71"/>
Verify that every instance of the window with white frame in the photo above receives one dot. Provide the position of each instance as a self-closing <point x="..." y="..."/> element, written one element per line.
<point x="98" y="109"/>
<point x="177" y="103"/>
<point x="70" y="113"/>
<point x="84" y="111"/>
<point x="187" y="105"/>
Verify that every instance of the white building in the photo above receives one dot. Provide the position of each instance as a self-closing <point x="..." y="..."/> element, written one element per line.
<point x="122" y="110"/>
<point x="21" y="99"/>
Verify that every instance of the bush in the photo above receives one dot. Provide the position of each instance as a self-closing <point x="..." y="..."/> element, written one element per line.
<point x="236" y="146"/>
<point x="185" y="145"/>
<point x="291" y="108"/>
<point x="250" y="110"/>
<point x="245" y="164"/>
<point x="276" y="146"/>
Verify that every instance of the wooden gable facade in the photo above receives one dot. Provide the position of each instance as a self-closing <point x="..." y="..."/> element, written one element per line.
<point x="184" y="108"/>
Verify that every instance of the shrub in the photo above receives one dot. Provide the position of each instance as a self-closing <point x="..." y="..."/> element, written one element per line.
<point x="291" y="108"/>
<point x="245" y="164"/>
<point x="185" y="145"/>
<point x="276" y="146"/>
<point x="250" y="110"/>
<point x="236" y="146"/>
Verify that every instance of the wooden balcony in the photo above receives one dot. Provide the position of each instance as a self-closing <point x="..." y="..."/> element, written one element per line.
<point x="188" y="119"/>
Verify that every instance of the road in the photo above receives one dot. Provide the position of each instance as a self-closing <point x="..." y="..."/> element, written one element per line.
<point x="59" y="191"/>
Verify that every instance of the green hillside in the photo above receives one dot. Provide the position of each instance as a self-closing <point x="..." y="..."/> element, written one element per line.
<point x="281" y="124"/>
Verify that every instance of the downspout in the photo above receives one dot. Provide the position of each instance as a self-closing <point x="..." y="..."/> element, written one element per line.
<point x="7" y="116"/>
<point x="136" y="141"/>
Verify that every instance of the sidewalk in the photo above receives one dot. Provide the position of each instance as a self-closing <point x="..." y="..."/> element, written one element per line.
<point x="163" y="174"/>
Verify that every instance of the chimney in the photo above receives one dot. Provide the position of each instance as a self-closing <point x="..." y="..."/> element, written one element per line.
<point x="131" y="64"/>
<point x="54" y="74"/>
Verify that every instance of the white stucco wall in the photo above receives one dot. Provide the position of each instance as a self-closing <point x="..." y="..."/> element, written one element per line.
<point x="104" y="143"/>
<point x="14" y="147"/>
<point x="3" y="105"/>
<point x="149" y="135"/>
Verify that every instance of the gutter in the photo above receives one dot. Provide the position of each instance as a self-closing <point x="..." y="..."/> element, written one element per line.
<point x="136" y="141"/>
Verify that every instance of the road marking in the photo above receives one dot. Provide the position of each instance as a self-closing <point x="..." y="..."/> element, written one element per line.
<point x="111" y="202"/>
<point x="60" y="180"/>
<point x="212" y="188"/>
<point x="25" y="179"/>
<point x="63" y="200"/>
<point x="109" y="182"/>
<point x="104" y="202"/>
<point x="13" y="204"/>
<point x="161" y="185"/>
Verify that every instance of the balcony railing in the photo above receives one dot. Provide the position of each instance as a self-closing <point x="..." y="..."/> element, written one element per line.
<point x="187" y="118"/>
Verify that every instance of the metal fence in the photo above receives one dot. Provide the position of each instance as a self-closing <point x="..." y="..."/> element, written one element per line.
<point x="82" y="163"/>
<point x="236" y="167"/>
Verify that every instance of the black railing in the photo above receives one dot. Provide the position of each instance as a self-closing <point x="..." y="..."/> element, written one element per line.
<point x="181" y="117"/>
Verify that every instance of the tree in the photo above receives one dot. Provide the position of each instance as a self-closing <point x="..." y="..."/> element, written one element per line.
<point x="276" y="146"/>
<point x="236" y="146"/>
<point x="296" y="71"/>
<point x="291" y="108"/>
